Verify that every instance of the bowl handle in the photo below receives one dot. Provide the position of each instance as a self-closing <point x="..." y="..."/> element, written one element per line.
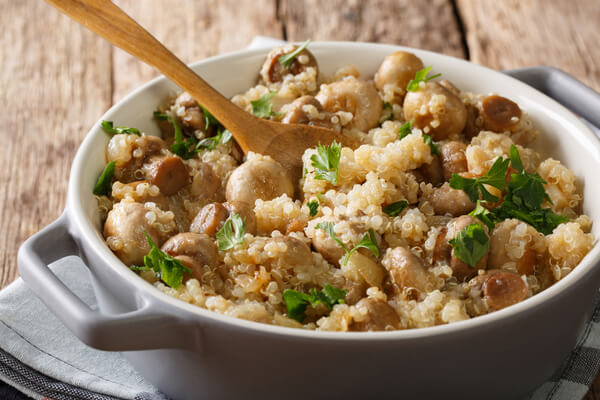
<point x="141" y="329"/>
<point x="563" y="88"/>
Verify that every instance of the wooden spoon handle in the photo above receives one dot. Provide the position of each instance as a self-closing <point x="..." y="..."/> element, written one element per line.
<point x="109" y="21"/>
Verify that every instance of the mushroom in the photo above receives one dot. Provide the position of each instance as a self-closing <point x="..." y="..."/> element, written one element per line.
<point x="396" y="71"/>
<point x="500" y="114"/>
<point x="273" y="71"/>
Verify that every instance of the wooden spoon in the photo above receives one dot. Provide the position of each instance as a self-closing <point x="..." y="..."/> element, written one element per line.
<point x="284" y="142"/>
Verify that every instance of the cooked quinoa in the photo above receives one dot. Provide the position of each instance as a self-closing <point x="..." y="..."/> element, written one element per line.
<point x="396" y="192"/>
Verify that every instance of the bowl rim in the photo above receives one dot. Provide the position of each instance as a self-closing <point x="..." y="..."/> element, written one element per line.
<point x="91" y="238"/>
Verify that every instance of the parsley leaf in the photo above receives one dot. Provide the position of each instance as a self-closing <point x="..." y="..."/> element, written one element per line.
<point x="471" y="244"/>
<point x="395" y="208"/>
<point x="515" y="158"/>
<point x="287" y="59"/>
<point x="107" y="126"/>
<point x="103" y="186"/>
<point x="432" y="145"/>
<point x="389" y="109"/>
<point x="326" y="162"/>
<point x="484" y="215"/>
<point x="420" y="76"/>
<point x="313" y="207"/>
<point x="405" y="130"/>
<point x="183" y="148"/>
<point x="209" y="120"/>
<point x="368" y="241"/>
<point x="496" y="177"/>
<point x="297" y="302"/>
<point x="263" y="108"/>
<point x="232" y="232"/>
<point x="170" y="270"/>
<point x="210" y="143"/>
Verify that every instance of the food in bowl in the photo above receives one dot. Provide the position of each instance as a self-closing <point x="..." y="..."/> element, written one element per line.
<point x="443" y="214"/>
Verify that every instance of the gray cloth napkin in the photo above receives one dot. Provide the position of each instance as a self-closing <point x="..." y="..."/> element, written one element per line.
<point x="41" y="359"/>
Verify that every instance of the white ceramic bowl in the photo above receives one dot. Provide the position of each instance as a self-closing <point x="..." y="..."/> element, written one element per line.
<point x="189" y="352"/>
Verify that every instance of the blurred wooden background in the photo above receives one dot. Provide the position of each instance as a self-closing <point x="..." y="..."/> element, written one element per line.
<point x="57" y="78"/>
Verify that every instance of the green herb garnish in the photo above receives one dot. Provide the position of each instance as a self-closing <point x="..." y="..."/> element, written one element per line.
<point x="405" y="130"/>
<point x="395" y="208"/>
<point x="484" y="215"/>
<point x="232" y="232"/>
<point x="210" y="143"/>
<point x="368" y="241"/>
<point x="103" y="186"/>
<point x="471" y="244"/>
<point x="432" y="145"/>
<point x="326" y="162"/>
<point x="496" y="177"/>
<point x="297" y="302"/>
<point x="209" y="119"/>
<point x="313" y="207"/>
<point x="263" y="108"/>
<point x="287" y="59"/>
<point x="184" y="148"/>
<point x="168" y="269"/>
<point x="108" y="127"/>
<point x="420" y="76"/>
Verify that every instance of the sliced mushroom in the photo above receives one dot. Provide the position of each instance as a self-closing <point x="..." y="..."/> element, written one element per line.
<point x="299" y="115"/>
<point x="446" y="200"/>
<point x="460" y="269"/>
<point x="258" y="179"/>
<point x="432" y="172"/>
<point x="273" y="71"/>
<point x="170" y="174"/>
<point x="500" y="114"/>
<point x="406" y="270"/>
<point x="396" y="71"/>
<point x="354" y="96"/>
<point x="200" y="247"/>
<point x="379" y="316"/>
<point x="454" y="160"/>
<point x="209" y="219"/>
<point x="502" y="289"/>
<point x="435" y="110"/>
<point x="192" y="115"/>
<point x="296" y="251"/>
<point x="130" y="158"/>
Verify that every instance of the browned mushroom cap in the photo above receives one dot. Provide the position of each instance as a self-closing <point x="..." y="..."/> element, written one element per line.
<point x="432" y="172"/>
<point x="436" y="110"/>
<point x="379" y="316"/>
<point x="502" y="289"/>
<point x="150" y="146"/>
<point x="453" y="158"/>
<point x="500" y="114"/>
<point x="396" y="70"/>
<point x="168" y="173"/>
<point x="209" y="219"/>
<point x="198" y="246"/>
<point x="273" y="71"/>
<point x="405" y="270"/>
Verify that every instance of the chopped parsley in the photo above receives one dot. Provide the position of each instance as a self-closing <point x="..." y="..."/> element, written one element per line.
<point x="108" y="127"/>
<point x="326" y="162"/>
<point x="184" y="148"/>
<point x="263" y="108"/>
<point x="209" y="119"/>
<point x="471" y="244"/>
<point x="420" y="76"/>
<point x="474" y="187"/>
<point x="313" y="207"/>
<point x="368" y="241"/>
<point x="287" y="59"/>
<point x="395" y="208"/>
<point x="210" y="143"/>
<point x="232" y="232"/>
<point x="168" y="269"/>
<point x="405" y="130"/>
<point x="297" y="302"/>
<point x="432" y="145"/>
<point x="523" y="199"/>
<point x="389" y="111"/>
<point x="103" y="186"/>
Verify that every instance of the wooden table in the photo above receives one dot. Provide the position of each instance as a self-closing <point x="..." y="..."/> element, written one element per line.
<point x="57" y="78"/>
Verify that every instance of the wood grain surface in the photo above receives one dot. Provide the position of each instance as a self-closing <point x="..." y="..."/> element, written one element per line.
<point x="57" y="78"/>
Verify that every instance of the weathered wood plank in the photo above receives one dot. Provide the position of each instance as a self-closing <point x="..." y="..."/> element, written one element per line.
<point x="519" y="33"/>
<point x="193" y="30"/>
<point x="427" y="25"/>
<point x="55" y="80"/>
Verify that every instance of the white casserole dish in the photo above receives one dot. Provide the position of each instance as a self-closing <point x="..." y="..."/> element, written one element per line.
<point x="189" y="352"/>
